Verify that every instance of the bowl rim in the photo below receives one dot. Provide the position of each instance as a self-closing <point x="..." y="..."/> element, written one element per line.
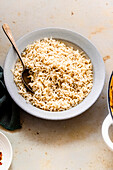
<point x="46" y="116"/>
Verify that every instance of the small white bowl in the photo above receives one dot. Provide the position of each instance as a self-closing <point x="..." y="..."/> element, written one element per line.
<point x="67" y="35"/>
<point x="6" y="149"/>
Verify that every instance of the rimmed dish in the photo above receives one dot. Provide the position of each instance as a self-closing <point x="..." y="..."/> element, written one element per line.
<point x="69" y="36"/>
<point x="6" y="150"/>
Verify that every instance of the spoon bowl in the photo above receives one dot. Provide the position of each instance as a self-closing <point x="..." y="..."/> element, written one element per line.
<point x="26" y="79"/>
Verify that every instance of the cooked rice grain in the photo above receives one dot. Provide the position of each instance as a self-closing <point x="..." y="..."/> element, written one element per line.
<point x="62" y="77"/>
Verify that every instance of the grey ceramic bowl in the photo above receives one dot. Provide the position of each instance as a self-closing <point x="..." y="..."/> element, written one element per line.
<point x="67" y="35"/>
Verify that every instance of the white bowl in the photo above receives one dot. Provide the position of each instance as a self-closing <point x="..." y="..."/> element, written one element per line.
<point x="6" y="149"/>
<point x="67" y="35"/>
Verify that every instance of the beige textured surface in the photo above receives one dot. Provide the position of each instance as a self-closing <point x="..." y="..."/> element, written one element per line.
<point x="74" y="144"/>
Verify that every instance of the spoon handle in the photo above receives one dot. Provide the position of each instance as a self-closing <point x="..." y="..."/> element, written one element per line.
<point x="8" y="33"/>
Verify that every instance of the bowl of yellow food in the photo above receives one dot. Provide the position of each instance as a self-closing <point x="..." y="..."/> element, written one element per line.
<point x="109" y="119"/>
<point x="67" y="73"/>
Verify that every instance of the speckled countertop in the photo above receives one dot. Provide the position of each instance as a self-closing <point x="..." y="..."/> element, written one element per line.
<point x="74" y="144"/>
